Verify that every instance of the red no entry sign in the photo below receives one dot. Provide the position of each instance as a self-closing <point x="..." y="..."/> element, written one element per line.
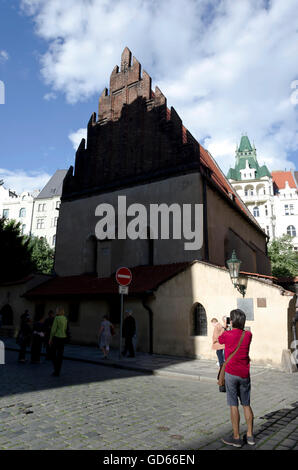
<point x="123" y="276"/>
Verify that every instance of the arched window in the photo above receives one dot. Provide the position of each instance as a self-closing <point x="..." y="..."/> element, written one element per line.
<point x="7" y="315"/>
<point x="256" y="212"/>
<point x="22" y="212"/>
<point x="199" y="320"/>
<point x="291" y="230"/>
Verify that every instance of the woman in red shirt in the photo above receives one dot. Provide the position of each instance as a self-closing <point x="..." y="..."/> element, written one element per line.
<point x="237" y="377"/>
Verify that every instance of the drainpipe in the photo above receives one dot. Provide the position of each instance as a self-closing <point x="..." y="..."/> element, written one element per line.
<point x="150" y="312"/>
<point x="30" y="233"/>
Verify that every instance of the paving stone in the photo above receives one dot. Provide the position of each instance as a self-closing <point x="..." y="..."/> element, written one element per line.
<point x="95" y="407"/>
<point x="288" y="443"/>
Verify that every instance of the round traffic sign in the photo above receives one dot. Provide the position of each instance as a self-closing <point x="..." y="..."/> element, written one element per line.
<point x="123" y="276"/>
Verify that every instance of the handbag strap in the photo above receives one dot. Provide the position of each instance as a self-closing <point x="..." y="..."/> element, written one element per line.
<point x="234" y="352"/>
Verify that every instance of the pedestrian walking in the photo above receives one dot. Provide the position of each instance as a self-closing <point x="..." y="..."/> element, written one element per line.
<point x="105" y="334"/>
<point x="58" y="336"/>
<point x="219" y="348"/>
<point x="128" y="332"/>
<point x="37" y="340"/>
<point x="48" y="323"/>
<point x="24" y="336"/>
<point x="237" y="376"/>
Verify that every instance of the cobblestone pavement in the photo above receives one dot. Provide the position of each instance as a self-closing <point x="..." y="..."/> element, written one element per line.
<point x="94" y="407"/>
<point x="171" y="366"/>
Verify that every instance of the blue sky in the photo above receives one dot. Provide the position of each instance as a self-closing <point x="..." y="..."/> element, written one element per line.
<point x="34" y="131"/>
<point x="226" y="67"/>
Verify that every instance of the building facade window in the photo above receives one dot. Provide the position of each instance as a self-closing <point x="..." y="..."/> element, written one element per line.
<point x="23" y="228"/>
<point x="5" y="213"/>
<point x="54" y="240"/>
<point x="7" y="315"/>
<point x="22" y="212"/>
<point x="55" y="221"/>
<point x="289" y="209"/>
<point x="41" y="207"/>
<point x="291" y="230"/>
<point x="256" y="211"/>
<point x="40" y="223"/>
<point x="199" y="320"/>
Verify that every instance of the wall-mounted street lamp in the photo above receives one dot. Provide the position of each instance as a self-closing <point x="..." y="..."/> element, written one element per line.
<point x="239" y="283"/>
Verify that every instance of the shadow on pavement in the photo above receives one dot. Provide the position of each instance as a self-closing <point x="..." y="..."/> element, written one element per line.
<point x="18" y="378"/>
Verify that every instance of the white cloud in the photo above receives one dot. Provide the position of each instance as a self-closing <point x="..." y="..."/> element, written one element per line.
<point x="50" y="96"/>
<point x="3" y="56"/>
<point x="77" y="136"/>
<point x="21" y="180"/>
<point x="226" y="67"/>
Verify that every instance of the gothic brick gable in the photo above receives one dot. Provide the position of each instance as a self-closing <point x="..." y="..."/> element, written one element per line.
<point x="135" y="138"/>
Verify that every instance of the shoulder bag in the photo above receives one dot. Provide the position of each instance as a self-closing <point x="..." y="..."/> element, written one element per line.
<point x="221" y="373"/>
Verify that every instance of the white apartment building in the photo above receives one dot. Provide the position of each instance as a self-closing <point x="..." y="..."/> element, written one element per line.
<point x="271" y="198"/>
<point x="37" y="212"/>
<point x="286" y="204"/>
<point x="17" y="207"/>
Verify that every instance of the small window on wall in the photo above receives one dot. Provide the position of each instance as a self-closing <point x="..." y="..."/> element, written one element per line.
<point x="256" y="212"/>
<point x="73" y="312"/>
<point x="22" y="212"/>
<point x="291" y="230"/>
<point x="199" y="321"/>
<point x="5" y="213"/>
<point x="7" y="315"/>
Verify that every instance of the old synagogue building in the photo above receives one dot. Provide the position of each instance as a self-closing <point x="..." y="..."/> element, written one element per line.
<point x="137" y="147"/>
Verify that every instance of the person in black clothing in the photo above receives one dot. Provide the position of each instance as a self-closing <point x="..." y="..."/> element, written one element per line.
<point x="47" y="332"/>
<point x="37" y="340"/>
<point x="24" y="336"/>
<point x="128" y="332"/>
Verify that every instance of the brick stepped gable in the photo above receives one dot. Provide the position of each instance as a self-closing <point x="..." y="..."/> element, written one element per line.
<point x="136" y="138"/>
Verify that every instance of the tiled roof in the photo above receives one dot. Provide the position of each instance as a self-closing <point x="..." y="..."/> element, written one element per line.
<point x="221" y="181"/>
<point x="53" y="186"/>
<point x="280" y="178"/>
<point x="144" y="278"/>
<point x="245" y="144"/>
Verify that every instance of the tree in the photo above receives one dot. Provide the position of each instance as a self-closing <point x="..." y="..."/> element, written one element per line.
<point x="42" y="255"/>
<point x="284" y="259"/>
<point x="15" y="252"/>
<point x="21" y="255"/>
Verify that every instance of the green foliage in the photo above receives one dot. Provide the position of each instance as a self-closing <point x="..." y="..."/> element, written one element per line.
<point x="284" y="260"/>
<point x="15" y="252"/>
<point x="42" y="255"/>
<point x="21" y="255"/>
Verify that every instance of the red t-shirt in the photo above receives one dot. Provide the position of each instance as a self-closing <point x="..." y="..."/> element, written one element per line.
<point x="239" y="364"/>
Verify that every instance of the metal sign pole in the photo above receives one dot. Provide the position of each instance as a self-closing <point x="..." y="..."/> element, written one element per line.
<point x="121" y="325"/>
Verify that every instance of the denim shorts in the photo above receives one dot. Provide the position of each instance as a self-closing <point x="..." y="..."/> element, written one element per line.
<point x="237" y="387"/>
